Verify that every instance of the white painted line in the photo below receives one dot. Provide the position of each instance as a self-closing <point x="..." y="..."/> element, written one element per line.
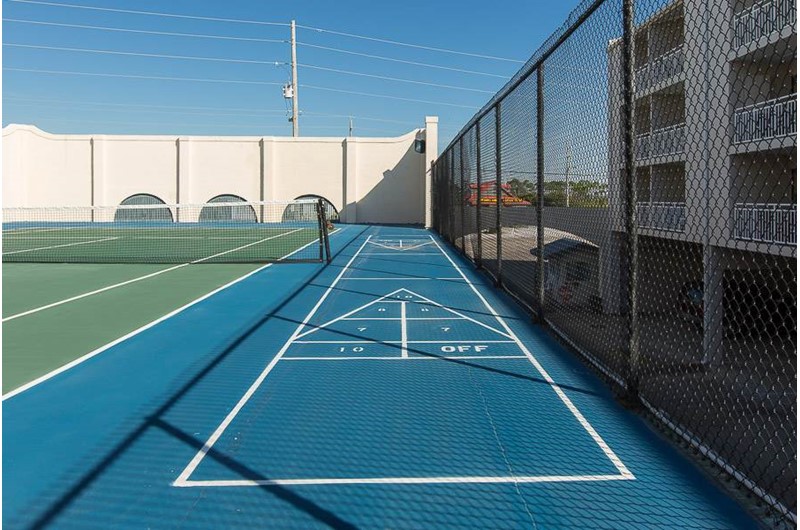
<point x="401" y="278"/>
<point x="60" y="246"/>
<point x="452" y="341"/>
<point x="134" y="280"/>
<point x="192" y="465"/>
<point x="101" y="349"/>
<point x="418" y="357"/>
<point x="539" y="368"/>
<point x="383" y="300"/>
<point x="405" y="253"/>
<point x="358" y="319"/>
<point x="403" y="331"/>
<point x="401" y="480"/>
<point x="399" y="248"/>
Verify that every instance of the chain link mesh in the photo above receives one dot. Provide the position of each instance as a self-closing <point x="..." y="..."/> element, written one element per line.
<point x="692" y="315"/>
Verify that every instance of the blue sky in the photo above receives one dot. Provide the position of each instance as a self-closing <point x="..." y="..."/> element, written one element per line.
<point x="85" y="104"/>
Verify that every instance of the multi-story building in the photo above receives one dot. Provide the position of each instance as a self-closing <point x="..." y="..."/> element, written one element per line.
<point x="715" y="94"/>
<point x="715" y="113"/>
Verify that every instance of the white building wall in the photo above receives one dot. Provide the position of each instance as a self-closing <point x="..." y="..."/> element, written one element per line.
<point x="369" y="180"/>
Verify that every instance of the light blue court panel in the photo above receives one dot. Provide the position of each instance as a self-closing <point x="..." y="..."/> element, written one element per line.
<point x="245" y="412"/>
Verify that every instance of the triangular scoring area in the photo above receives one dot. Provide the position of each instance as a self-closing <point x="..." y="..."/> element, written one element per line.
<point x="388" y="307"/>
<point x="400" y="245"/>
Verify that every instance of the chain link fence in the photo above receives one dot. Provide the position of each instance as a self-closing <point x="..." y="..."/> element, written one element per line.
<point x="634" y="185"/>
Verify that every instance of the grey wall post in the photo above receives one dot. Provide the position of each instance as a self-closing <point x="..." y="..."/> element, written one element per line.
<point x="631" y="225"/>
<point x="540" y="191"/>
<point x="498" y="168"/>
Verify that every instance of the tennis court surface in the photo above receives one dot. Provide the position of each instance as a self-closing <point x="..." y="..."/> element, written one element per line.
<point x="392" y="388"/>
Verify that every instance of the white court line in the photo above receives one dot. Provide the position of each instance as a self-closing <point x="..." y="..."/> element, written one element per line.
<point x="401" y="278"/>
<point x="137" y="279"/>
<point x="402" y="480"/>
<point x="403" y="331"/>
<point x="358" y="319"/>
<point x="367" y="254"/>
<point x="182" y="479"/>
<point x="385" y="300"/>
<point x="411" y="358"/>
<point x="378" y="342"/>
<point x="59" y="246"/>
<point x="624" y="471"/>
<point x="135" y="332"/>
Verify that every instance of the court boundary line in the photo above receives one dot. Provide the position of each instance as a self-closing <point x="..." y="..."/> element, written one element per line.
<point x="215" y="435"/>
<point x="139" y="278"/>
<point x="183" y="479"/>
<point x="75" y="362"/>
<point x="100" y="240"/>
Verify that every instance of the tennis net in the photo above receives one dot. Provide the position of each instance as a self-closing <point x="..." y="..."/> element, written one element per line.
<point x="230" y="232"/>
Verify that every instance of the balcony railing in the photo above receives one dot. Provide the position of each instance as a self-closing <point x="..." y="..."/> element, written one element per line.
<point x="662" y="142"/>
<point x="660" y="69"/>
<point x="775" y="118"/>
<point x="766" y="223"/>
<point x="661" y="215"/>
<point x="761" y="20"/>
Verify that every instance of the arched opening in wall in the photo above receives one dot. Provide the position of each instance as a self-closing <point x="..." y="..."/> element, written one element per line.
<point x="144" y="207"/>
<point x="232" y="213"/>
<point x="304" y="212"/>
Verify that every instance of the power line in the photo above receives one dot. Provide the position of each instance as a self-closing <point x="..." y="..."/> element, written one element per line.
<point x="403" y="61"/>
<point x="232" y="81"/>
<point x="139" y="54"/>
<point x="354" y="93"/>
<point x="130" y="76"/>
<point x="143" y="31"/>
<point x="150" y="13"/>
<point x="227" y="111"/>
<point x="239" y="61"/>
<point x="407" y="44"/>
<point x="387" y="78"/>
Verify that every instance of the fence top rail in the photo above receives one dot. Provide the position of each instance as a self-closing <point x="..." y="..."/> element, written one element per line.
<point x="568" y="27"/>
<point x="774" y="101"/>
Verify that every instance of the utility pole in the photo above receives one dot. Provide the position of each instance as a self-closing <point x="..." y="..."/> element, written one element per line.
<point x="567" y="171"/>
<point x="295" y="106"/>
<point x="350" y="129"/>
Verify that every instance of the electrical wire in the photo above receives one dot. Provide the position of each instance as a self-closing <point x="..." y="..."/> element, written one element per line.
<point x="139" y="54"/>
<point x="402" y="61"/>
<point x="397" y="79"/>
<point x="385" y="96"/>
<point x="131" y="76"/>
<point x="146" y="32"/>
<point x="150" y="13"/>
<point x="407" y="44"/>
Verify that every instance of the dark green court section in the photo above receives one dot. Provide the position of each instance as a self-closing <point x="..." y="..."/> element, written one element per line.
<point x="30" y="285"/>
<point x="174" y="243"/>
<point x="36" y="344"/>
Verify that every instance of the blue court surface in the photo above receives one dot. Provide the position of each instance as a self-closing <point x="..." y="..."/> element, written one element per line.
<point x="394" y="388"/>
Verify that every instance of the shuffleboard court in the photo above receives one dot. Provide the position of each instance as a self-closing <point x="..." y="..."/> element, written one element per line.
<point x="393" y="388"/>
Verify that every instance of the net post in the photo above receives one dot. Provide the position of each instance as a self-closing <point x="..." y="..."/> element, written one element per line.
<point x="321" y="226"/>
<point x="478" y="203"/>
<point x="540" y="192"/>
<point x="498" y="195"/>
<point x="631" y="225"/>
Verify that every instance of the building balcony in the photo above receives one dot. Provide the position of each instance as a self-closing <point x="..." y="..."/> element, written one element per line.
<point x="765" y="223"/>
<point x="761" y="20"/>
<point x="775" y="118"/>
<point x="661" y="215"/>
<point x="661" y="142"/>
<point x="659" y="69"/>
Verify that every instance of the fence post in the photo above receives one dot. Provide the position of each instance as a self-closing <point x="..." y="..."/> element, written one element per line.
<point x="540" y="271"/>
<point x="479" y="249"/>
<point x="498" y="168"/>
<point x="461" y="193"/>
<point x="631" y="224"/>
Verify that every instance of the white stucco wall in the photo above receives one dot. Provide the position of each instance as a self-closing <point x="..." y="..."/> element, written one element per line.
<point x="369" y="180"/>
